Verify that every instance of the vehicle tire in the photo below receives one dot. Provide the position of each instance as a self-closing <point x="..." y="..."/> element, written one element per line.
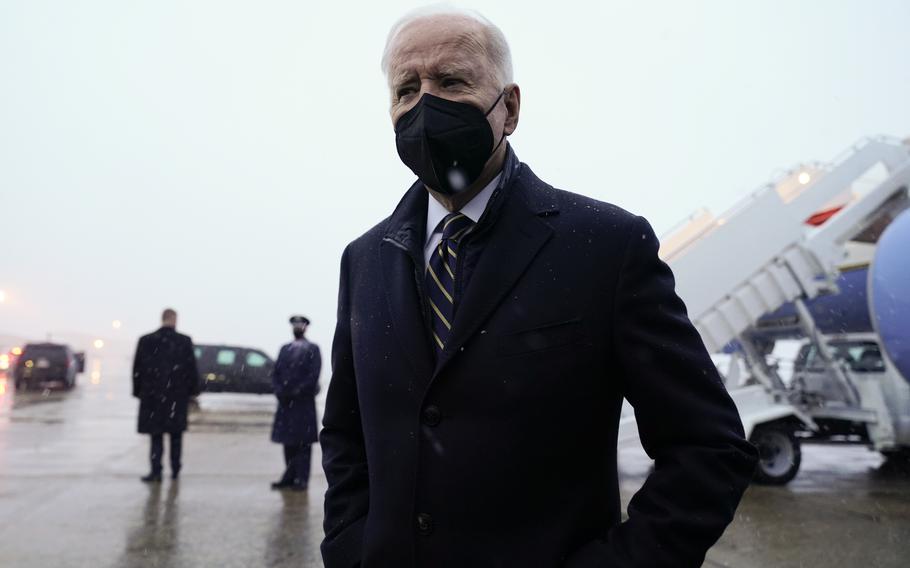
<point x="779" y="454"/>
<point x="897" y="455"/>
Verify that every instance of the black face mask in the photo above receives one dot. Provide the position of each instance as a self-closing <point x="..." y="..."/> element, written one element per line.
<point x="298" y="334"/>
<point x="445" y="143"/>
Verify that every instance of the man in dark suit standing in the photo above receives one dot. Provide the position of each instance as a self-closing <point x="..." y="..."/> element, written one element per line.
<point x="295" y="380"/>
<point x="487" y="333"/>
<point x="164" y="379"/>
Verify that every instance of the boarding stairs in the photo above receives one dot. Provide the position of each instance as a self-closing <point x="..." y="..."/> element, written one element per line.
<point x="734" y="268"/>
<point x="783" y="242"/>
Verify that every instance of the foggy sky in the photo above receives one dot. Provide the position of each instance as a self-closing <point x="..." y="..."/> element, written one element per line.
<point x="217" y="156"/>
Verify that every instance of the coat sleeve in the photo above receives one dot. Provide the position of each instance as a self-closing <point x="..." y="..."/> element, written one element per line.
<point x="278" y="370"/>
<point x="687" y="422"/>
<point x="138" y="362"/>
<point x="343" y="450"/>
<point x="313" y="370"/>
<point x="193" y="372"/>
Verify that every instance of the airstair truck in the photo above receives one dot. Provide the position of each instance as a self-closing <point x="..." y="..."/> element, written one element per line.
<point x="784" y="245"/>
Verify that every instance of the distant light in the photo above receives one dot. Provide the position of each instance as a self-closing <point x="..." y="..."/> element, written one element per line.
<point x="16" y="351"/>
<point x="29" y="364"/>
<point x="98" y="343"/>
<point x="115" y="324"/>
<point x="804" y="178"/>
<point x="96" y="377"/>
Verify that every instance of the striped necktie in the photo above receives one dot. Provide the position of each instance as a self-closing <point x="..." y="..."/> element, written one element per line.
<point x="440" y="276"/>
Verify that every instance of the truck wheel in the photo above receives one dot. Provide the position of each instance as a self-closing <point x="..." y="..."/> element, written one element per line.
<point x="897" y="455"/>
<point x="779" y="454"/>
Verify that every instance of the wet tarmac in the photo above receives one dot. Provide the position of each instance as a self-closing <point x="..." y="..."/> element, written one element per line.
<point x="847" y="507"/>
<point x="70" y="494"/>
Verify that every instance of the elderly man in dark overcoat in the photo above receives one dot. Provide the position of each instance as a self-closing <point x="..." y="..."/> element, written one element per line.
<point x="488" y="331"/>
<point x="164" y="379"/>
<point x="295" y="380"/>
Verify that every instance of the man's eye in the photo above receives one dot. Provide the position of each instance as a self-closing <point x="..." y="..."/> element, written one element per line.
<point x="451" y="82"/>
<point x="404" y="92"/>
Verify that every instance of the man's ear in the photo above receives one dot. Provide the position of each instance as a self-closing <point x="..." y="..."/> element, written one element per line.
<point x="513" y="107"/>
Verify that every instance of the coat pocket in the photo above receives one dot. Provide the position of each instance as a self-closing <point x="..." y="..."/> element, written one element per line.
<point x="543" y="337"/>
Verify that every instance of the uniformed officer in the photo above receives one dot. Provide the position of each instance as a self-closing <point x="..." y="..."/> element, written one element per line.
<point x="295" y="380"/>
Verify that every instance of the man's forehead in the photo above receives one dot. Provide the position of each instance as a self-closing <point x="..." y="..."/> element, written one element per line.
<point x="439" y="61"/>
<point x="437" y="45"/>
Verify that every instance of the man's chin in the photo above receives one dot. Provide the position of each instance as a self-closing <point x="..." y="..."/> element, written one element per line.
<point x="455" y="200"/>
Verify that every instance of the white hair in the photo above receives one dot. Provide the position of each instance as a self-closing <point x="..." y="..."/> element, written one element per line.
<point x="497" y="47"/>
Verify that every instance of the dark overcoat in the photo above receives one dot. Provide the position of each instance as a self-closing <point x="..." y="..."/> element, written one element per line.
<point x="164" y="379"/>
<point x="503" y="453"/>
<point x="295" y="380"/>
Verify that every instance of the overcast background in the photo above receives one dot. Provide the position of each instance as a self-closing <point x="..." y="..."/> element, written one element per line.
<point x="217" y="156"/>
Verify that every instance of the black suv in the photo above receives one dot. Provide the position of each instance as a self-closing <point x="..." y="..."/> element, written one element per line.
<point x="47" y="364"/>
<point x="227" y="368"/>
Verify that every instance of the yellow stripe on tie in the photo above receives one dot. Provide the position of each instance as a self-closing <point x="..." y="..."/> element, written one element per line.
<point x="438" y="341"/>
<point x="445" y="262"/>
<point x="445" y="322"/>
<point x="458" y="235"/>
<point x="438" y="283"/>
<point x="457" y="217"/>
<point x="452" y="252"/>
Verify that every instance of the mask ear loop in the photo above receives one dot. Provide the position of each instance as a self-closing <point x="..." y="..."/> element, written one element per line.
<point x="496" y="102"/>
<point x="503" y="137"/>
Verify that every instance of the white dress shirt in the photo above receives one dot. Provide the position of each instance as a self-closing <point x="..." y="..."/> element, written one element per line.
<point x="436" y="213"/>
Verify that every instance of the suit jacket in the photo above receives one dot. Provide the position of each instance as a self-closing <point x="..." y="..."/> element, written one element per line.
<point x="503" y="452"/>
<point x="164" y="378"/>
<point x="295" y="380"/>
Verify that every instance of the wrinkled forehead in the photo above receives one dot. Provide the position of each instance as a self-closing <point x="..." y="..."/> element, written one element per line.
<point x="439" y="45"/>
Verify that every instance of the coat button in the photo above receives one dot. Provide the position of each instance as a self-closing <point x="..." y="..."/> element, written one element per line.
<point x="431" y="415"/>
<point x="424" y="524"/>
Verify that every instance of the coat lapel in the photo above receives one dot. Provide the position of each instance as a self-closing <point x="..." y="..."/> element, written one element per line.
<point x="400" y="251"/>
<point x="515" y="239"/>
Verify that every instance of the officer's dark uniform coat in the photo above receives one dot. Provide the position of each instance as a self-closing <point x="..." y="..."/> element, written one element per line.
<point x="164" y="378"/>
<point x="503" y="453"/>
<point x="295" y="380"/>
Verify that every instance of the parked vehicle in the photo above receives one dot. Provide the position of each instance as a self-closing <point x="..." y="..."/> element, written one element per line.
<point x="860" y="398"/>
<point x="812" y="376"/>
<point x="42" y="365"/>
<point x="8" y="359"/>
<point x="229" y="368"/>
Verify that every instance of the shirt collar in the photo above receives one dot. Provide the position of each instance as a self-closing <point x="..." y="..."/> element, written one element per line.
<point x="473" y="210"/>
